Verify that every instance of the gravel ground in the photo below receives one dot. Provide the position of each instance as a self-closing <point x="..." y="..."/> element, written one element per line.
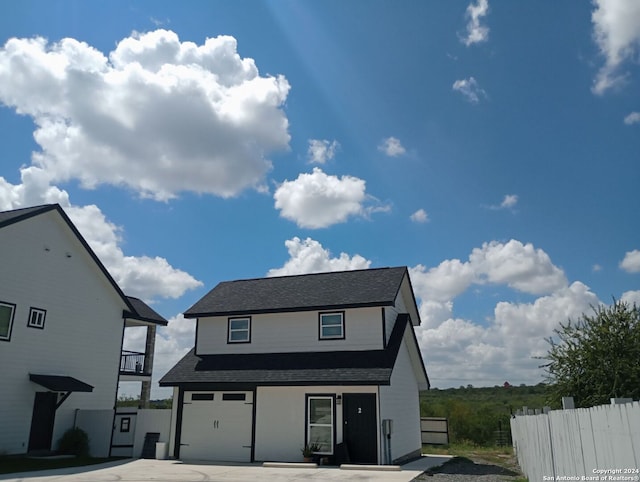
<point x="462" y="469"/>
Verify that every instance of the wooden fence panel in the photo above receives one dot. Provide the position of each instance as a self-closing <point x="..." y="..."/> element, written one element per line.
<point x="574" y="443"/>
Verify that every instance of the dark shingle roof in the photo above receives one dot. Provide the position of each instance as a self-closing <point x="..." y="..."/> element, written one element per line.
<point x="144" y="312"/>
<point x="359" y="288"/>
<point x="368" y="367"/>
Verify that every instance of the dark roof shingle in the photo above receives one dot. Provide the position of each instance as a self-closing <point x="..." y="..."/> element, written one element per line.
<point x="358" y="288"/>
<point x="144" y="312"/>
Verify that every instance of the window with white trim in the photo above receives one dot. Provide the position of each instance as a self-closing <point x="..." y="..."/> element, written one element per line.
<point x="7" y="310"/>
<point x="320" y="428"/>
<point x="239" y="330"/>
<point x="332" y="325"/>
<point x="36" y="318"/>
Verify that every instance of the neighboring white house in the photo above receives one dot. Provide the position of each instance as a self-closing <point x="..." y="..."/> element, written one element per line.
<point x="329" y="359"/>
<point x="62" y="322"/>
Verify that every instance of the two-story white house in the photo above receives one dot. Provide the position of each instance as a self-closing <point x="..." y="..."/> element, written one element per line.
<point x="329" y="359"/>
<point x="62" y="325"/>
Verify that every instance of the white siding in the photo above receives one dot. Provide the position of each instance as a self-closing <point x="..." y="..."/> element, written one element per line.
<point x="292" y="332"/>
<point x="280" y="419"/>
<point x="390" y="315"/>
<point x="400" y="402"/>
<point x="45" y="266"/>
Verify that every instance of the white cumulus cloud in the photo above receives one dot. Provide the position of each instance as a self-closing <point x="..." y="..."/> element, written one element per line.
<point x="308" y="256"/>
<point x="321" y="151"/>
<point x="392" y="147"/>
<point x="631" y="297"/>
<point x="157" y="115"/>
<point x="631" y="262"/>
<point x="420" y="216"/>
<point x="517" y="265"/>
<point x="476" y="32"/>
<point x="616" y="30"/>
<point x="470" y="89"/>
<point x="633" y="118"/>
<point x="319" y="200"/>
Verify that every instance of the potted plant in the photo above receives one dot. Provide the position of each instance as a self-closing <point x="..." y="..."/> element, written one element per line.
<point x="309" y="451"/>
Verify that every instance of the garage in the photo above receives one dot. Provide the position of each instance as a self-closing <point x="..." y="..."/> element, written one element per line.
<point x="216" y="426"/>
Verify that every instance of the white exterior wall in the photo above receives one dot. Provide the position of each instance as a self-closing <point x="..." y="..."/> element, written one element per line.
<point x="280" y="420"/>
<point x="292" y="332"/>
<point x="151" y="420"/>
<point x="390" y="315"/>
<point x="83" y="327"/>
<point x="97" y="424"/>
<point x="400" y="402"/>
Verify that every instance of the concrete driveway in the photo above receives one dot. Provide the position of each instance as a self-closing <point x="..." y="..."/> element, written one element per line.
<point x="143" y="470"/>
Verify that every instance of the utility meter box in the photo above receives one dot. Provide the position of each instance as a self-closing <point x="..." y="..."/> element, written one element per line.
<point x="387" y="426"/>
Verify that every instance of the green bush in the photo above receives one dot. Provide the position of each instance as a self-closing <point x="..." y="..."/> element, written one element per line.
<point x="75" y="441"/>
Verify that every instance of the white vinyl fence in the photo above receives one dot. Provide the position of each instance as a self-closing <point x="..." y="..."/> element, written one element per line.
<point x="129" y="429"/>
<point x="598" y="443"/>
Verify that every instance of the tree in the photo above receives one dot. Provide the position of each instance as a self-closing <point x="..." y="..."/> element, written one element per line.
<point x="597" y="357"/>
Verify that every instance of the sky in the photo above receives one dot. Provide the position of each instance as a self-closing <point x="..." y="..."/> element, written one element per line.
<point x="492" y="147"/>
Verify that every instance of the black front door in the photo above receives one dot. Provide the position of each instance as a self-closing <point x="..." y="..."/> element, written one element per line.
<point x="44" y="414"/>
<point x="360" y="427"/>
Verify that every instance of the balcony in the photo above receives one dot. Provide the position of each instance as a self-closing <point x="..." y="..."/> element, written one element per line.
<point x="132" y="363"/>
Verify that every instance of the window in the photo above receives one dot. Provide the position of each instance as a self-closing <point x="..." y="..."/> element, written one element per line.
<point x="36" y="318"/>
<point x="201" y="397"/>
<point x="234" y="396"/>
<point x="239" y="330"/>
<point x="320" y="428"/>
<point x="7" y="311"/>
<point x="332" y="325"/>
<point x="125" y="424"/>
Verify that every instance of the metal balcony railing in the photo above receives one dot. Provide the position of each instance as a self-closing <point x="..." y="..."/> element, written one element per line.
<point x="132" y="363"/>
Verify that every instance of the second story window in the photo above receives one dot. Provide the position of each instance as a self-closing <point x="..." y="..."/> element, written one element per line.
<point x="239" y="330"/>
<point x="6" y="320"/>
<point x="36" y="318"/>
<point x="332" y="326"/>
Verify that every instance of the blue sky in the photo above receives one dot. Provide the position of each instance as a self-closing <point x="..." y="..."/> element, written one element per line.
<point x="491" y="147"/>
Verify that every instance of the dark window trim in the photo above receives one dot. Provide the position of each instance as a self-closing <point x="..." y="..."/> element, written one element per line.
<point x="229" y="320"/>
<point x="202" y="397"/>
<point x="344" y="331"/>
<point x="125" y="424"/>
<point x="306" y="418"/>
<point x="32" y="311"/>
<point x="12" y="317"/>
<point x="237" y="397"/>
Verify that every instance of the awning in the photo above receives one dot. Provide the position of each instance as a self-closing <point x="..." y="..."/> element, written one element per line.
<point x="58" y="383"/>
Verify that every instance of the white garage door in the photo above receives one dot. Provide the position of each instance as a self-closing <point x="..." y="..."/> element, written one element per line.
<point x="217" y="426"/>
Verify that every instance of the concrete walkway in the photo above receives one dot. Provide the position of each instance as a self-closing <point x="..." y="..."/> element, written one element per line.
<point x="143" y="470"/>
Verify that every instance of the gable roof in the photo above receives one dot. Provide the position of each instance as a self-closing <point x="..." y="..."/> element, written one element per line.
<point x="366" y="367"/>
<point x="144" y="312"/>
<point x="338" y="289"/>
<point x="136" y="309"/>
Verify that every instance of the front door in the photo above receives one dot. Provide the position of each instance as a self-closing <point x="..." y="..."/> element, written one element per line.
<point x="44" y="415"/>
<point x="360" y="427"/>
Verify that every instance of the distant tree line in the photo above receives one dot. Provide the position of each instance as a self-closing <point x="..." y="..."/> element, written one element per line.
<point x="475" y="415"/>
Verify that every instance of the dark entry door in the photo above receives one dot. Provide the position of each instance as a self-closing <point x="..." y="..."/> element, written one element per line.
<point x="44" y="414"/>
<point x="360" y="427"/>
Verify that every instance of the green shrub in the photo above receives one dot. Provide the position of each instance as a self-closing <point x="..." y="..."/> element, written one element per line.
<point x="75" y="441"/>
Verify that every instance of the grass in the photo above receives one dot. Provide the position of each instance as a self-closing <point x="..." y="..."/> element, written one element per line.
<point x="10" y="464"/>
